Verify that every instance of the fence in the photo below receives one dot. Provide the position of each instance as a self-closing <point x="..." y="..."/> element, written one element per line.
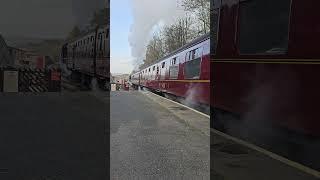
<point x="29" y="80"/>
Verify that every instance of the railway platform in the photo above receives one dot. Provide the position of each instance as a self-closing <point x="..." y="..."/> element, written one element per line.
<point x="60" y="136"/>
<point x="156" y="138"/>
<point x="149" y="141"/>
<point x="52" y="136"/>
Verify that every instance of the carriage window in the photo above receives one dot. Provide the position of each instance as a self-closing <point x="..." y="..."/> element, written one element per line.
<point x="188" y="56"/>
<point x="100" y="42"/>
<point x="195" y="54"/>
<point x="192" y="67"/>
<point x="154" y="67"/>
<point x="174" y="60"/>
<point x="149" y="69"/>
<point x="173" y="72"/>
<point x="264" y="26"/>
<point x="163" y="64"/>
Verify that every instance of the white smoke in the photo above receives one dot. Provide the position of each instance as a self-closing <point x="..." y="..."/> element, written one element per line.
<point x="147" y="15"/>
<point x="192" y="95"/>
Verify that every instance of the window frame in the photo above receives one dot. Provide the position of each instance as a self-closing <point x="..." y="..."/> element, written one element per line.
<point x="199" y="58"/>
<point x="284" y="53"/>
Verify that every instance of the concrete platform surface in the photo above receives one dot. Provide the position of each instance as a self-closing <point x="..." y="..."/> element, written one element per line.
<point x="150" y="142"/>
<point x="53" y="136"/>
<point x="230" y="159"/>
<point x="233" y="161"/>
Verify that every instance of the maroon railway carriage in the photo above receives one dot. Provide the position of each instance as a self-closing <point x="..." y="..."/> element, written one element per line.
<point x="265" y="64"/>
<point x="89" y="54"/>
<point x="183" y="73"/>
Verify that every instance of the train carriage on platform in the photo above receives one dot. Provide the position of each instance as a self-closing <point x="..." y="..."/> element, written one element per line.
<point x="266" y="61"/>
<point x="88" y="56"/>
<point x="264" y="71"/>
<point x="183" y="73"/>
<point x="265" y="65"/>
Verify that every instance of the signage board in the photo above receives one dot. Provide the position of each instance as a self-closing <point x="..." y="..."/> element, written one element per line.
<point x="10" y="81"/>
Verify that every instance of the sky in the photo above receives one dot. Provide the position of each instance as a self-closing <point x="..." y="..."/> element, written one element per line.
<point x="44" y="18"/>
<point x="121" y="20"/>
<point x="132" y="25"/>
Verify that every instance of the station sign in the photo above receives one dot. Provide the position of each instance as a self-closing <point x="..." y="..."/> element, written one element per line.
<point x="10" y="81"/>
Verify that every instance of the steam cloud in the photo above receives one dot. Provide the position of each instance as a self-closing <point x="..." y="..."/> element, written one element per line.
<point x="83" y="9"/>
<point x="147" y="15"/>
<point x="44" y="18"/>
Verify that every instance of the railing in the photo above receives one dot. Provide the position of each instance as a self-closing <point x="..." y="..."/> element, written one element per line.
<point x="29" y="80"/>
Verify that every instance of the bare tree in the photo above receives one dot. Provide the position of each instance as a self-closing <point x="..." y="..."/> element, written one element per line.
<point x="99" y="18"/>
<point x="201" y="9"/>
<point x="178" y="34"/>
<point x="168" y="39"/>
<point x="155" y="49"/>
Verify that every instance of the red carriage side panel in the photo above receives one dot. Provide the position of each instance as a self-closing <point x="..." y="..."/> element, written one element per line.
<point x="277" y="88"/>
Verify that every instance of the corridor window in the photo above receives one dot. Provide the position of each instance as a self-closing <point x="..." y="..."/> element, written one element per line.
<point x="264" y="26"/>
<point x="174" y="61"/>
